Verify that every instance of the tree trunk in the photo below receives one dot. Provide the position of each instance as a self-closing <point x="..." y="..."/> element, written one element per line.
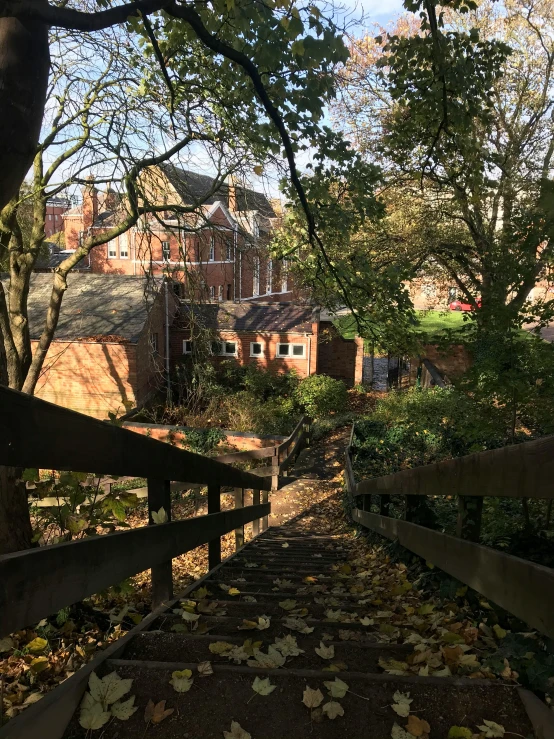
<point x="24" y="68"/>
<point x="15" y="524"/>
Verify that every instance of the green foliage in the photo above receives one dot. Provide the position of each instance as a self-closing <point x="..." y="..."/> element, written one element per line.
<point x="77" y="508"/>
<point x="203" y="441"/>
<point x="320" y="395"/>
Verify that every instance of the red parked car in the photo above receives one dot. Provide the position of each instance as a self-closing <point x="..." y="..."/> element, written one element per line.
<point x="460" y="305"/>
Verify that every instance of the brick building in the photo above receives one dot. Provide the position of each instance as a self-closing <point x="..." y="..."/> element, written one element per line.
<point x="55" y="208"/>
<point x="278" y="337"/>
<point x="109" y="348"/>
<point x="218" y="253"/>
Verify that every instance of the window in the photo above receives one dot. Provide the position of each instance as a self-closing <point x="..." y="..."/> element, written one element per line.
<point x="269" y="280"/>
<point x="166" y="251"/>
<point x="220" y="293"/>
<point x="50" y="217"/>
<point x="211" y="258"/>
<point x="256" y="277"/>
<point x="296" y="351"/>
<point x="284" y="276"/>
<point x="154" y="343"/>
<point x="229" y="252"/>
<point x="229" y="290"/>
<point x="212" y="292"/>
<point x="256" y="349"/>
<point x="187" y="347"/>
<point x="224" y="348"/>
<point x="112" y="249"/>
<point x="123" y="246"/>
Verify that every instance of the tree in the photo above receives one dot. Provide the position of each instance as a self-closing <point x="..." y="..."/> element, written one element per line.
<point x="470" y="136"/>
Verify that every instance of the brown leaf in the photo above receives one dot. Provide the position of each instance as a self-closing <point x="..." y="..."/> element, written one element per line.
<point x="417" y="726"/>
<point x="156" y="712"/>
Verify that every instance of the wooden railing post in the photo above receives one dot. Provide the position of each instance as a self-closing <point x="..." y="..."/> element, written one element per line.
<point x="470" y="509"/>
<point x="214" y="506"/>
<point x="265" y="519"/>
<point x="256" y="521"/>
<point x="239" y="533"/>
<point x="384" y="505"/>
<point x="275" y="469"/>
<point x="366" y="503"/>
<point x="159" y="496"/>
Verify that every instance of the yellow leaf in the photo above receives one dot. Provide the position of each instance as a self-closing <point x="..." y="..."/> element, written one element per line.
<point x="37" y="646"/>
<point x="38" y="664"/>
<point x="417" y="726"/>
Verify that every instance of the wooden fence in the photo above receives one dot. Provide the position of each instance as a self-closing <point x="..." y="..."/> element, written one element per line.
<point x="522" y="471"/>
<point x="38" y="582"/>
<point x="282" y="455"/>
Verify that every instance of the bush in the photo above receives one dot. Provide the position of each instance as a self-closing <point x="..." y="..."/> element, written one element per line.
<point x="203" y="441"/>
<point x="320" y="395"/>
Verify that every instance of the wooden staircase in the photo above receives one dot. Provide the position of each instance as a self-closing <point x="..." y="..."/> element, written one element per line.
<point x="242" y="610"/>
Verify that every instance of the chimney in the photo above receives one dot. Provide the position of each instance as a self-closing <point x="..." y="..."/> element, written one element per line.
<point x="90" y="204"/>
<point x="232" y="188"/>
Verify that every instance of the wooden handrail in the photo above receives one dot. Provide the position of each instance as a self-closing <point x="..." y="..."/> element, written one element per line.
<point x="522" y="470"/>
<point x="35" y="433"/>
<point x="38" y="582"/>
<point x="436" y="377"/>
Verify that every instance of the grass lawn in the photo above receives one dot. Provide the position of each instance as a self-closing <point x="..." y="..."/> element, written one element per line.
<point x="432" y="323"/>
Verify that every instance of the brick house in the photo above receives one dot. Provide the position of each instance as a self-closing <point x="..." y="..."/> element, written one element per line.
<point x="109" y="347"/>
<point x="55" y="208"/>
<point x="218" y="253"/>
<point x="276" y="336"/>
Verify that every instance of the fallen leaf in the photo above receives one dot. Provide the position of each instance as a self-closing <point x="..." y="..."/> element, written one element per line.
<point x="262" y="687"/>
<point x="181" y="680"/>
<point x="37" y="646"/>
<point x="205" y="669"/>
<point x="233" y="591"/>
<point x="312" y="698"/>
<point x="417" y="726"/>
<point x="156" y="712"/>
<point x="325" y="652"/>
<point x="6" y="644"/>
<point x="491" y="729"/>
<point x="333" y="709"/>
<point x="287" y="605"/>
<point x="401" y="704"/>
<point x="397" y="732"/>
<point x="337" y="688"/>
<point x="124" y="710"/>
<point x="288" y="646"/>
<point x="220" y="647"/>
<point x="159" y="516"/>
<point x="92" y="715"/>
<point x="237" y="732"/>
<point x="285" y="545"/>
<point x="459" y="732"/>
<point x="109" y="689"/>
<point x="39" y="664"/>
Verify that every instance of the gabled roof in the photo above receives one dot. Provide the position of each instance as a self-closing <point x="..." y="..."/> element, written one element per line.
<point x="250" y="317"/>
<point x="94" y="307"/>
<point x="192" y="186"/>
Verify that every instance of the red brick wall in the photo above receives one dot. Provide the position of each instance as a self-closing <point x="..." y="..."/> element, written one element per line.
<point x="89" y="377"/>
<point x="177" y="434"/>
<point x="303" y="366"/>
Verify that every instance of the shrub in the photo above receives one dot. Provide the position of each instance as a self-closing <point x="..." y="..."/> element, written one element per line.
<point x="203" y="441"/>
<point x="320" y="395"/>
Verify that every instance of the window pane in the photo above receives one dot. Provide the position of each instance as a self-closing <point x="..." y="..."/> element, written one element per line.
<point x="216" y="347"/>
<point x="230" y="347"/>
<point x="284" y="349"/>
<point x="298" y="350"/>
<point x="256" y="348"/>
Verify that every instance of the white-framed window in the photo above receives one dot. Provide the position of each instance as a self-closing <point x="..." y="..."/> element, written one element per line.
<point x="224" y="348"/>
<point x="256" y="276"/>
<point x="211" y="257"/>
<point x="284" y="276"/>
<point x="112" y="249"/>
<point x="154" y="343"/>
<point x="50" y="217"/>
<point x="220" y="293"/>
<point x="123" y="246"/>
<point x="187" y="346"/>
<point x="256" y="349"/>
<point x="269" y="276"/>
<point x="294" y="351"/>
<point x="166" y="251"/>
<point x="229" y="251"/>
<point x="212" y="292"/>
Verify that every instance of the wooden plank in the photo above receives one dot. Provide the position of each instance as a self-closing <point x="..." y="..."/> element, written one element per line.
<point x="435" y="374"/>
<point x="266" y="451"/>
<point x="519" y="586"/>
<point x="36" y="583"/>
<point x="297" y="429"/>
<point x="265" y="519"/>
<point x="285" y="464"/>
<point x="159" y="496"/>
<point x="34" y="433"/>
<point x="517" y="471"/>
<point x="256" y="522"/>
<point x="214" y="506"/>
